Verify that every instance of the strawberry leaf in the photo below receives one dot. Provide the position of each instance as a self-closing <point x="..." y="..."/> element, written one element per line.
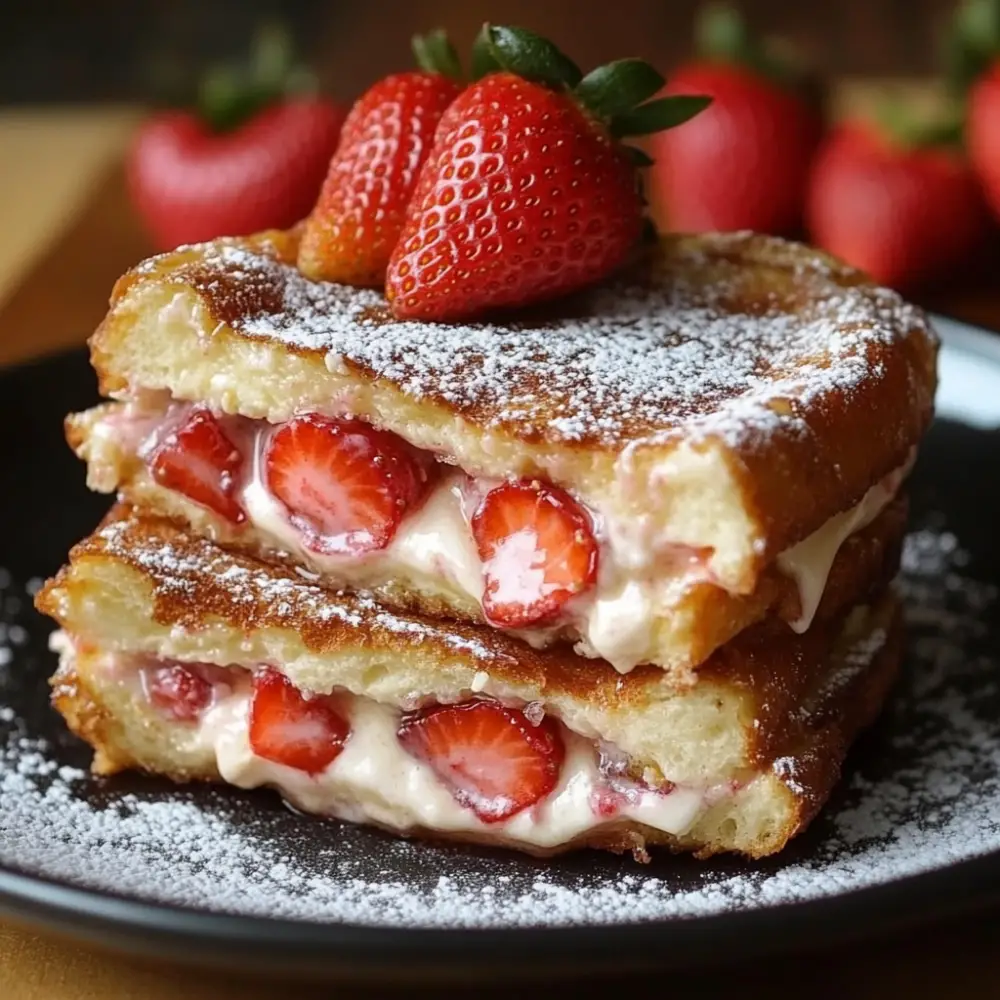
<point x="435" y="54"/>
<point x="655" y="116"/>
<point x="639" y="157"/>
<point x="971" y="44"/>
<point x="618" y="87"/>
<point x="484" y="61"/>
<point x="722" y="35"/>
<point x="530" y="56"/>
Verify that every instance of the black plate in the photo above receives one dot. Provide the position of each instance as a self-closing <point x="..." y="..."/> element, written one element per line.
<point x="236" y="879"/>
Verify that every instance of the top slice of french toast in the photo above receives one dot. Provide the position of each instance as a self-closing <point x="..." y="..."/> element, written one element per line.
<point x="727" y="392"/>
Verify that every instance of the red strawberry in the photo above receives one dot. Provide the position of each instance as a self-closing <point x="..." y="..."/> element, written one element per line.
<point x="744" y="163"/>
<point x="902" y="213"/>
<point x="253" y="159"/>
<point x="386" y="138"/>
<point x="346" y="485"/>
<point x="288" y="728"/>
<point x="983" y="134"/>
<point x="198" y="460"/>
<point x="493" y="760"/>
<point x="527" y="194"/>
<point x="538" y="551"/>
<point x="178" y="690"/>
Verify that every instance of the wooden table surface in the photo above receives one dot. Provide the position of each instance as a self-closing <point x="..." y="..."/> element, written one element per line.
<point x="67" y="234"/>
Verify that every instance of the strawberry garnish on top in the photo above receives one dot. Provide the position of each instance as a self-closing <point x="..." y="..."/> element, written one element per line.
<point x="527" y="193"/>
<point x="345" y="484"/>
<point x="388" y="133"/>
<point x="538" y="551"/>
<point x="288" y="728"/>
<point x="493" y="759"/>
<point x="744" y="163"/>
<point x="251" y="156"/>
<point x="198" y="460"/>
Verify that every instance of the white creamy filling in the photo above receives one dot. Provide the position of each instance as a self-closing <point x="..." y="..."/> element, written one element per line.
<point x="374" y="780"/>
<point x="809" y="562"/>
<point x="433" y="548"/>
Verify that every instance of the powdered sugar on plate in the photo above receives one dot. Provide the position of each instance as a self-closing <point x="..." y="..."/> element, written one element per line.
<point x="925" y="793"/>
<point x="711" y="348"/>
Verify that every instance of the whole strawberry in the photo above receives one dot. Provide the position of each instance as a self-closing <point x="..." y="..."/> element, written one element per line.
<point x="387" y="135"/>
<point x="527" y="194"/>
<point x="903" y="211"/>
<point x="252" y="159"/>
<point x="744" y="163"/>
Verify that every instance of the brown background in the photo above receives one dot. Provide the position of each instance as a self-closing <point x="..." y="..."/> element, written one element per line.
<point x="104" y="50"/>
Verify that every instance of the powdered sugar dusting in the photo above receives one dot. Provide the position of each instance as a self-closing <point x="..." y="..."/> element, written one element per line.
<point x="707" y="345"/>
<point x="926" y="795"/>
<point x="175" y="569"/>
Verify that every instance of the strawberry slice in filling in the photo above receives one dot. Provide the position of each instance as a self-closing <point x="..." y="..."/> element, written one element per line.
<point x="288" y="728"/>
<point x="198" y="460"/>
<point x="493" y="760"/>
<point x="346" y="486"/>
<point x="538" y="551"/>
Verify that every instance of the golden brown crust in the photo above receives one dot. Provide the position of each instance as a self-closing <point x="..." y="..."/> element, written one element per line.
<point x="801" y="430"/>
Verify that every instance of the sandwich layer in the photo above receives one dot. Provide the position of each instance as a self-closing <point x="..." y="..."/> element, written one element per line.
<point x="729" y="394"/>
<point x="739" y="761"/>
<point x="671" y="613"/>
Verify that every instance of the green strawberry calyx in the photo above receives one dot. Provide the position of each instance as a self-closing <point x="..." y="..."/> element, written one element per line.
<point x="434" y="53"/>
<point x="971" y="44"/>
<point x="911" y="127"/>
<point x="231" y="94"/>
<point x="722" y="35"/>
<point x="621" y="93"/>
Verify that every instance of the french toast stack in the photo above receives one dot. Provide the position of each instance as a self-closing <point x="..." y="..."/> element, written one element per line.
<point x="614" y="571"/>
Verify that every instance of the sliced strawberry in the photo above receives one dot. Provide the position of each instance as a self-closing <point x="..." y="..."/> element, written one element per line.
<point x="177" y="690"/>
<point x="493" y="760"/>
<point x="290" y="729"/>
<point x="538" y="551"/>
<point x="198" y="460"/>
<point x="345" y="484"/>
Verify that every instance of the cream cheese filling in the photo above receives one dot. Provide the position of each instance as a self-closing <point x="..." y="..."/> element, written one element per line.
<point x="374" y="780"/>
<point x="433" y="550"/>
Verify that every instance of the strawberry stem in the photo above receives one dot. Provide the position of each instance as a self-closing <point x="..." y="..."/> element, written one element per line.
<point x="613" y="93"/>
<point x="434" y="53"/>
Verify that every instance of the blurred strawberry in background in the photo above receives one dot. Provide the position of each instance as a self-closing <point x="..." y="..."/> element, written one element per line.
<point x="898" y="195"/>
<point x="253" y="155"/>
<point x="897" y="199"/>
<point x="974" y="73"/>
<point x="744" y="162"/>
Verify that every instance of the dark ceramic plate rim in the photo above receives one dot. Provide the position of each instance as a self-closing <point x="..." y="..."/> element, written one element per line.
<point x="163" y="930"/>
